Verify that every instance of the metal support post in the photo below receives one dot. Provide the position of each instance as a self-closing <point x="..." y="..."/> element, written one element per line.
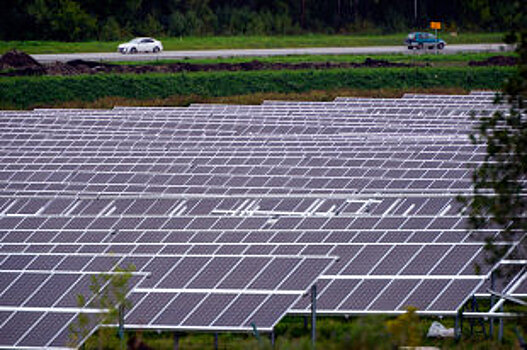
<point x="500" y="331"/>
<point x="176" y="340"/>
<point x="215" y="341"/>
<point x="255" y="332"/>
<point x="121" y="327"/>
<point x="491" y="320"/>
<point x="272" y="338"/>
<point x="471" y="321"/>
<point x="314" y="315"/>
<point x="523" y="345"/>
<point x="461" y="320"/>
<point x="457" y="335"/>
<point x="305" y="323"/>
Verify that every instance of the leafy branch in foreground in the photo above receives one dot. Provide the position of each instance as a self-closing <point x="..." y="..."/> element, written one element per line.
<point x="499" y="199"/>
<point x="108" y="292"/>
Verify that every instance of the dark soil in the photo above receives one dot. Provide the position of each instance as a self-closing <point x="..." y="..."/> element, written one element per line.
<point x="495" y="61"/>
<point x="16" y="63"/>
<point x="17" y="59"/>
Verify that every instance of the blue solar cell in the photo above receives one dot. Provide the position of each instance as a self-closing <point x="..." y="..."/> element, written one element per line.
<point x="363" y="295"/>
<point x="271" y="310"/>
<point x="12" y="331"/>
<point x="179" y="308"/>
<point x="239" y="310"/>
<point x="209" y="309"/>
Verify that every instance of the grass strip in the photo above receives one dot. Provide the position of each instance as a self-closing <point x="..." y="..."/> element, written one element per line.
<point x="27" y="92"/>
<point x="247" y="42"/>
<point x="410" y="57"/>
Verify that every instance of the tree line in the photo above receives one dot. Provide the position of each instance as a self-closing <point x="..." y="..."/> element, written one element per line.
<point x="77" y="20"/>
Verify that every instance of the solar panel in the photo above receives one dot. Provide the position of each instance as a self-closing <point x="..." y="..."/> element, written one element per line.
<point x="230" y="213"/>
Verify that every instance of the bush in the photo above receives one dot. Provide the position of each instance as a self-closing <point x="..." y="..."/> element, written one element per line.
<point x="405" y="329"/>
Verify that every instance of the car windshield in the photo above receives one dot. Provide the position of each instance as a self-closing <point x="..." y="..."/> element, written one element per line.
<point x="411" y="36"/>
<point x="135" y="41"/>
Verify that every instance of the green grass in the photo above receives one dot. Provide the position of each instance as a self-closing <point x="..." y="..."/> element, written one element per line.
<point x="333" y="333"/>
<point x="246" y="42"/>
<point x="26" y="92"/>
<point x="397" y="58"/>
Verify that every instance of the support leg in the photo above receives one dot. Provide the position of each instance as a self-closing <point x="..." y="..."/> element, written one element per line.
<point x="314" y="315"/>
<point x="176" y="340"/>
<point x="491" y="320"/>
<point x="500" y="331"/>
<point x="456" y="328"/>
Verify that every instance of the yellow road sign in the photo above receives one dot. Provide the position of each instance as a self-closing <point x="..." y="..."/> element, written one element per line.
<point x="435" y="25"/>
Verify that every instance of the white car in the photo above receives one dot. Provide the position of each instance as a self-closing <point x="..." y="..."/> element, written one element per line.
<point x="141" y="45"/>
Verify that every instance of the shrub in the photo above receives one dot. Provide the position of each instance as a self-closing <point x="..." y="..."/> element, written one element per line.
<point x="405" y="329"/>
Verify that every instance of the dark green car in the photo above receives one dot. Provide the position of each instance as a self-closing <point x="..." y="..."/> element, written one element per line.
<point x="420" y="40"/>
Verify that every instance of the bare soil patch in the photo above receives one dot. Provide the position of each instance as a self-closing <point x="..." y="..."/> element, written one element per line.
<point x="17" y="63"/>
<point x="495" y="61"/>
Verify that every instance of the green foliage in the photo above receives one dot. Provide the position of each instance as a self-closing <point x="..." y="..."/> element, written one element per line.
<point x="62" y="19"/>
<point x="498" y="199"/>
<point x="367" y="333"/>
<point x="79" y="20"/>
<point x="177" y="24"/>
<point x="149" y="27"/>
<point x="108" y="293"/>
<point x="111" y="30"/>
<point x="405" y="329"/>
<point x="33" y="91"/>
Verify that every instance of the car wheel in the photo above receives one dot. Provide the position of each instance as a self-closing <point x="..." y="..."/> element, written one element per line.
<point x="440" y="46"/>
<point x="133" y="50"/>
<point x="410" y="47"/>
<point x="156" y="49"/>
<point x="420" y="46"/>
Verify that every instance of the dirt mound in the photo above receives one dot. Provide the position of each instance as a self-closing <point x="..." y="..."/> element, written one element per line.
<point x="22" y="64"/>
<point x="17" y="59"/>
<point x="495" y="61"/>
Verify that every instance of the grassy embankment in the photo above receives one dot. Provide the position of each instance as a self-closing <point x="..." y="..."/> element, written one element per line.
<point x="182" y="88"/>
<point x="413" y="57"/>
<point x="246" y="42"/>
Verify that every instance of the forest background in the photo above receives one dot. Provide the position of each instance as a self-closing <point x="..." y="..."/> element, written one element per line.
<point x="106" y="20"/>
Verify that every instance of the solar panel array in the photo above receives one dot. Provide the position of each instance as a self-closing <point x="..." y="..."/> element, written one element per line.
<point x="230" y="213"/>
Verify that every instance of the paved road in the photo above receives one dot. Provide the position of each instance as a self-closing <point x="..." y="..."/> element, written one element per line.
<point x="374" y="50"/>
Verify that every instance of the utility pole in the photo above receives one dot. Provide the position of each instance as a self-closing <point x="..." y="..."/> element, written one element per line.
<point x="415" y="12"/>
<point x="303" y="16"/>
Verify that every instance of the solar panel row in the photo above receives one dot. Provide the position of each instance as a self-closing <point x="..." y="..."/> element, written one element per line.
<point x="231" y="213"/>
